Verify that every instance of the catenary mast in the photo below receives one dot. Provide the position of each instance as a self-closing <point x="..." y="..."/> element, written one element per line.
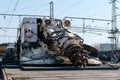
<point x="114" y="29"/>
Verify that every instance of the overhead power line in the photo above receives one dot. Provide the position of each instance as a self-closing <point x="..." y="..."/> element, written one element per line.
<point x="7" y="28"/>
<point x="13" y="12"/>
<point x="87" y="28"/>
<point x="23" y="15"/>
<point x="16" y="6"/>
<point x="69" y="8"/>
<point x="88" y="18"/>
<point x="40" y="7"/>
<point x="7" y="36"/>
<point x="33" y="6"/>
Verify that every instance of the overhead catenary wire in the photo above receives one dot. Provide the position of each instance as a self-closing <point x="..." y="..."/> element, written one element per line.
<point x="70" y="7"/>
<point x="13" y="12"/>
<point x="7" y="36"/>
<point x="89" y="8"/>
<point x="38" y="9"/>
<point x="8" y="9"/>
<point x="14" y="9"/>
<point x="33" y="8"/>
<point x="88" y="18"/>
<point x="23" y="15"/>
<point x="57" y="2"/>
<point x="89" y="29"/>
<point x="7" y="28"/>
<point x="78" y="28"/>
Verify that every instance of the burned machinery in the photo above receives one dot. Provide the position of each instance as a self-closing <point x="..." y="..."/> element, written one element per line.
<point x="50" y="42"/>
<point x="65" y="42"/>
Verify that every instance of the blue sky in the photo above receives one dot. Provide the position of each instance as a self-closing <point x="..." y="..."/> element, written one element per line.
<point x="77" y="8"/>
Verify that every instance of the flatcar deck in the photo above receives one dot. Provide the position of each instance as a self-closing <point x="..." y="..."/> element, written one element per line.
<point x="18" y="74"/>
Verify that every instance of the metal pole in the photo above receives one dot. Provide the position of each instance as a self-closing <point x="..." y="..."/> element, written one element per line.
<point x="51" y="10"/>
<point x="114" y="24"/>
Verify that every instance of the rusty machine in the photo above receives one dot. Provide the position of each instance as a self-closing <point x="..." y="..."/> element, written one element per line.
<point x="50" y="42"/>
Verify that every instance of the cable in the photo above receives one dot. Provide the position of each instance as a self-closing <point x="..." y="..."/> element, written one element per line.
<point x="38" y="8"/>
<point x="89" y="8"/>
<point x="9" y="6"/>
<point x="70" y="7"/>
<point x="13" y="12"/>
<point x="29" y="7"/>
<point x="89" y="29"/>
<point x="3" y="30"/>
<point x="97" y="12"/>
<point x="82" y="18"/>
<point x="57" y="2"/>
<point x="7" y="36"/>
<point x="23" y="15"/>
<point x="7" y="28"/>
<point x="15" y="6"/>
